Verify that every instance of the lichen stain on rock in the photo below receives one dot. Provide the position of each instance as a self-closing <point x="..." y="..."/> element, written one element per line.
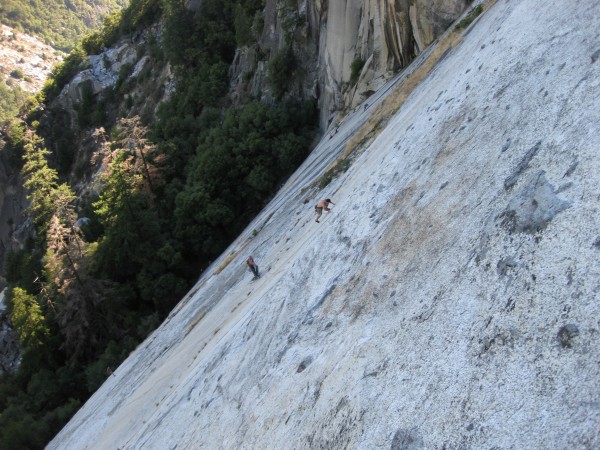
<point x="534" y="207"/>
<point x="407" y="440"/>
<point x="304" y="364"/>
<point x="566" y="334"/>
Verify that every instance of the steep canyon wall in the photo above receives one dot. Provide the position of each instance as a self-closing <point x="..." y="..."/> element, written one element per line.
<point x="329" y="36"/>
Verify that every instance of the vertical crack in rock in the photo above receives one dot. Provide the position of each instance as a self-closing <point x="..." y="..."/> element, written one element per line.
<point x="571" y="169"/>
<point x="506" y="145"/>
<point x="511" y="180"/>
<point x="322" y="299"/>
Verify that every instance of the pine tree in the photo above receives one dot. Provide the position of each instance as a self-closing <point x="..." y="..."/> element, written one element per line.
<point x="27" y="319"/>
<point x="41" y="184"/>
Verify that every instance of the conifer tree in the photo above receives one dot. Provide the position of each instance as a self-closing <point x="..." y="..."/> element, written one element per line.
<point x="27" y="319"/>
<point x="41" y="183"/>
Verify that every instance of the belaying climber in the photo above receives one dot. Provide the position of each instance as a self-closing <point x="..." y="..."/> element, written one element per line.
<point x="253" y="267"/>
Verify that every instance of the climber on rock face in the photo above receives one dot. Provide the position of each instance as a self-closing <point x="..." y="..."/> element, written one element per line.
<point x="322" y="205"/>
<point x="253" y="267"/>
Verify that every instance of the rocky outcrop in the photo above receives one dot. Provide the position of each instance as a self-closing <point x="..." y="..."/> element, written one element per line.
<point x="385" y="35"/>
<point x="429" y="19"/>
<point x="27" y="55"/>
<point x="123" y="64"/>
<point x="122" y="81"/>
<point x="329" y="36"/>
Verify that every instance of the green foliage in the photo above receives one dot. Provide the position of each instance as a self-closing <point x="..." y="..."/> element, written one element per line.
<point x="21" y="267"/>
<point x="33" y="108"/>
<point x="95" y="42"/>
<point x="243" y="27"/>
<point x="341" y="166"/>
<point x="281" y="71"/>
<point x="114" y="353"/>
<point x="245" y="16"/>
<point x="11" y="100"/>
<point x="325" y="180"/>
<point x="121" y="86"/>
<point x="134" y="248"/>
<point x="207" y="87"/>
<point x="67" y="316"/>
<point x="27" y="319"/>
<point x="139" y="14"/>
<point x="355" y="68"/>
<point x="17" y="73"/>
<point x="123" y="249"/>
<point x="236" y="167"/>
<point x="71" y="20"/>
<point x="31" y="415"/>
<point x="92" y="44"/>
<point x="258" y="23"/>
<point x="120" y="206"/>
<point x="64" y="148"/>
<point x="56" y="418"/>
<point x="43" y="390"/>
<point x="208" y="37"/>
<point x="464" y="23"/>
<point x="15" y="133"/>
<point x="20" y="430"/>
<point x="41" y="183"/>
<point x="290" y="18"/>
<point x="85" y="109"/>
<point x="155" y="50"/>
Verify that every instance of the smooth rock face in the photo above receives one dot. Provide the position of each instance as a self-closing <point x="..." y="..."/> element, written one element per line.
<point x="387" y="35"/>
<point x="436" y="306"/>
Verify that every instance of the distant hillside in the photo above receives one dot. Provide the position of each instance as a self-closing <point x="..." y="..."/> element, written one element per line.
<point x="25" y="62"/>
<point x="33" y="37"/>
<point x="59" y="23"/>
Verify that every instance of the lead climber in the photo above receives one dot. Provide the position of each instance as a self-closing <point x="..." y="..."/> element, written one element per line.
<point x="320" y="206"/>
